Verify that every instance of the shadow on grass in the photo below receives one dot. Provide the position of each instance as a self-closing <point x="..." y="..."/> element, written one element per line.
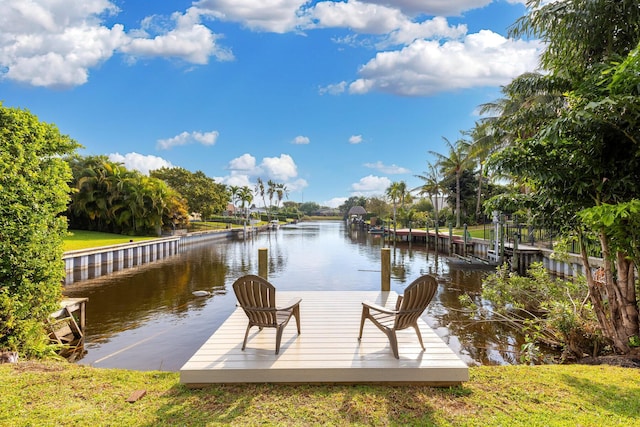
<point x="623" y="401"/>
<point x="269" y="404"/>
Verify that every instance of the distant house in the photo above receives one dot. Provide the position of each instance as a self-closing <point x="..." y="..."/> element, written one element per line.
<point x="231" y="210"/>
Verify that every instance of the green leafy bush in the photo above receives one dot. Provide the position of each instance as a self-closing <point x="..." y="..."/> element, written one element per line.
<point x="547" y="309"/>
<point x="33" y="193"/>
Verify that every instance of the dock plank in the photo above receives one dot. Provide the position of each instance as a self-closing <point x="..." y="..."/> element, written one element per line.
<point x="326" y="351"/>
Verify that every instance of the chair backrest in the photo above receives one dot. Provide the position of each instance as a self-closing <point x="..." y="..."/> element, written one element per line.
<point x="417" y="297"/>
<point x="257" y="297"/>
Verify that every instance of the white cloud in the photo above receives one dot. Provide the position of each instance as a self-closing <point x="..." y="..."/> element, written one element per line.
<point x="435" y="28"/>
<point x="245" y="163"/>
<point x="434" y="7"/>
<point x="238" y="180"/>
<point x="368" y="18"/>
<point x="391" y="170"/>
<point x="281" y="168"/>
<point x="244" y="170"/>
<point x="278" y="16"/>
<point x="426" y="67"/>
<point x="370" y="185"/>
<point x="355" y="139"/>
<point x="140" y="162"/>
<point x="47" y="43"/>
<point x="301" y="140"/>
<point x="358" y="16"/>
<point x="54" y="43"/>
<point x="335" y="202"/>
<point x="297" y="185"/>
<point x="188" y="39"/>
<point x="333" y="89"/>
<point x="206" y="138"/>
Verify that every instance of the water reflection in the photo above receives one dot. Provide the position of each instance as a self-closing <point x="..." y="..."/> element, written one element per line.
<point x="148" y="318"/>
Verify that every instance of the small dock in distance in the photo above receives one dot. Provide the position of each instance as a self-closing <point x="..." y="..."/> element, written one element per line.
<point x="326" y="351"/>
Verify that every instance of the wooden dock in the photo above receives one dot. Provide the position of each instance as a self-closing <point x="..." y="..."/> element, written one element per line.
<point x="326" y="351"/>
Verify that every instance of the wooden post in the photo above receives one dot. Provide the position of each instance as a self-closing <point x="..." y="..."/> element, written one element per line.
<point x="263" y="263"/>
<point x="464" y="251"/>
<point x="426" y="236"/>
<point x="385" y="259"/>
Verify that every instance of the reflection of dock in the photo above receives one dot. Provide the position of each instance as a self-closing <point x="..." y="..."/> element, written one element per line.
<point x="326" y="351"/>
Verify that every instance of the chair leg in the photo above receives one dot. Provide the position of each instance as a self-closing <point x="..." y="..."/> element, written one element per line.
<point x="365" y="313"/>
<point x="246" y="334"/>
<point x="296" y="314"/>
<point x="279" y="330"/>
<point x="393" y="341"/>
<point x="419" y="335"/>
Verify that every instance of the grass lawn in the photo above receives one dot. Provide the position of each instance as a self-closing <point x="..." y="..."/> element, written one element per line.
<point x="57" y="393"/>
<point x="81" y="239"/>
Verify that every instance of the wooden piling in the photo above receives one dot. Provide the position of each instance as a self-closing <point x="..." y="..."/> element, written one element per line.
<point x="385" y="259"/>
<point x="263" y="263"/>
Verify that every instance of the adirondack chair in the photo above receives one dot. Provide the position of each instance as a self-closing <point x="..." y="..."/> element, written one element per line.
<point x="257" y="297"/>
<point x="409" y="308"/>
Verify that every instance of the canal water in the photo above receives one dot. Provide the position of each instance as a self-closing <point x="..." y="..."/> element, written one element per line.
<point x="147" y="318"/>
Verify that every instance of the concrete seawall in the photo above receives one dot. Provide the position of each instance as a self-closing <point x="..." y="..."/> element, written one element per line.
<point x="87" y="264"/>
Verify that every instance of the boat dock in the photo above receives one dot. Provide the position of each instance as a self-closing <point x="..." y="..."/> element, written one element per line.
<point x="326" y="351"/>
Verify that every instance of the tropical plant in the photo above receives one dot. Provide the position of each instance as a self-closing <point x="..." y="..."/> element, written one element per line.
<point x="558" y="310"/>
<point x="108" y="197"/>
<point x="261" y="191"/>
<point x="397" y="193"/>
<point x="454" y="164"/>
<point x="203" y="194"/>
<point x="33" y="195"/>
<point x="281" y="192"/>
<point x="432" y="187"/>
<point x="245" y="196"/>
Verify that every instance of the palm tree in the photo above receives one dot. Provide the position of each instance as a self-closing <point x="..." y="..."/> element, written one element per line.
<point x="245" y="196"/>
<point x="396" y="192"/>
<point x="235" y="195"/>
<point x="454" y="164"/>
<point x="260" y="190"/>
<point x="484" y="141"/>
<point x="271" y="191"/>
<point x="432" y="187"/>
<point x="281" y="192"/>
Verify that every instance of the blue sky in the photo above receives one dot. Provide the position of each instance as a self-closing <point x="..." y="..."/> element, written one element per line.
<point x="332" y="98"/>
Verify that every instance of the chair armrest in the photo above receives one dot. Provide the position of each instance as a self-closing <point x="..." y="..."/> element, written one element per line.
<point x="379" y="308"/>
<point x="291" y="304"/>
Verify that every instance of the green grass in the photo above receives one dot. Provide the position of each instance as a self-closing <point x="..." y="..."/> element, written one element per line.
<point x="57" y="393"/>
<point x="81" y="239"/>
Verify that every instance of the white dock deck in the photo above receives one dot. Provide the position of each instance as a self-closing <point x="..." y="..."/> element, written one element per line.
<point x="326" y="351"/>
